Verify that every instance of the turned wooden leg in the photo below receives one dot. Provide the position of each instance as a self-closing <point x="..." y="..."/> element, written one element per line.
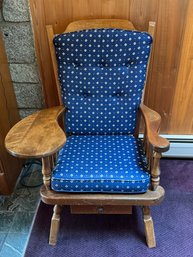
<point x="55" y="223"/>
<point x="149" y="228"/>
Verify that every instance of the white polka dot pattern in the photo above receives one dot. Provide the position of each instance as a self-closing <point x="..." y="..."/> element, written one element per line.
<point x="114" y="164"/>
<point x="102" y="74"/>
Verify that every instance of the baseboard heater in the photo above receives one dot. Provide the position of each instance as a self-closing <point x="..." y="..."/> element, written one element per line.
<point x="181" y="146"/>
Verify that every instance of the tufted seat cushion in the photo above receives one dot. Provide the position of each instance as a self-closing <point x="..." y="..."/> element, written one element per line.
<point x="114" y="164"/>
<point x="102" y="74"/>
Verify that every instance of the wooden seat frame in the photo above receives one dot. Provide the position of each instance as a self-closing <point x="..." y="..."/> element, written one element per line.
<point x="40" y="136"/>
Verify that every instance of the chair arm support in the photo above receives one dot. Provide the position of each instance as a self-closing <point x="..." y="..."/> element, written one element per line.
<point x="37" y="136"/>
<point x="152" y="124"/>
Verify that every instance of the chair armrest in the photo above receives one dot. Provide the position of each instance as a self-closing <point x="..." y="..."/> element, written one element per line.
<point x="37" y="136"/>
<point x="152" y="124"/>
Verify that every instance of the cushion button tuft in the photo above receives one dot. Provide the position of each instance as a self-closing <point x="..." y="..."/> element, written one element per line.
<point x="75" y="64"/>
<point x="86" y="94"/>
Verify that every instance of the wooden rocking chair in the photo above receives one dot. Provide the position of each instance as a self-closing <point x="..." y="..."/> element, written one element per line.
<point x="101" y="68"/>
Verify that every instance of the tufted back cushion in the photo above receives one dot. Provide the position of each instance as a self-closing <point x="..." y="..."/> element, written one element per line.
<point x="102" y="74"/>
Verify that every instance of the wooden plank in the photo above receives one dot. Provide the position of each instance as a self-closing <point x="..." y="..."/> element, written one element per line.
<point x="115" y="9"/>
<point x="164" y="70"/>
<point x="42" y="51"/>
<point x="86" y="9"/>
<point x="59" y="14"/>
<point x="7" y="89"/>
<point x="10" y="167"/>
<point x="141" y="12"/>
<point x="182" y="110"/>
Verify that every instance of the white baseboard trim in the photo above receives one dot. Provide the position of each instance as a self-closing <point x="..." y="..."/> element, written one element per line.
<point x="180" y="150"/>
<point x="181" y="146"/>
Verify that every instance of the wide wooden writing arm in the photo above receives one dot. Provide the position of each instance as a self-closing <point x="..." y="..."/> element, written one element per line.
<point x="152" y="122"/>
<point x="37" y="136"/>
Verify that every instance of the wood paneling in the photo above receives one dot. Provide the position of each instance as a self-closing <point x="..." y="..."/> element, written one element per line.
<point x="10" y="167"/>
<point x="170" y="17"/>
<point x="166" y="59"/>
<point x="182" y="109"/>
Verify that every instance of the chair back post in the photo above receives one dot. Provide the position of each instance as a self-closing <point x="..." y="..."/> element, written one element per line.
<point x="50" y="35"/>
<point x="151" y="31"/>
<point x="154" y="158"/>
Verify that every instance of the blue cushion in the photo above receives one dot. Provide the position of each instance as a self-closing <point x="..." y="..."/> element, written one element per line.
<point x="114" y="164"/>
<point x="102" y="74"/>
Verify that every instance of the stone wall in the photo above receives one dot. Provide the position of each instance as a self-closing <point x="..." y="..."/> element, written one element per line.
<point x="19" y="44"/>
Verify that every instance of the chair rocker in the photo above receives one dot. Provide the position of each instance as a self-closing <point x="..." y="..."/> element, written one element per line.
<point x="97" y="164"/>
